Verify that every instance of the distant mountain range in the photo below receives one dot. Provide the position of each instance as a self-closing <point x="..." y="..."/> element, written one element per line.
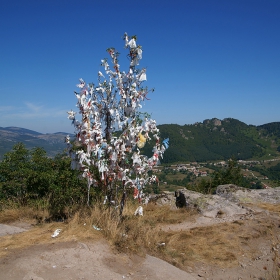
<point x="213" y="139"/>
<point x="52" y="143"/>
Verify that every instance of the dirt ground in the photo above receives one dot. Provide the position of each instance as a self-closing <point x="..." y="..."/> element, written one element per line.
<point x="96" y="260"/>
<point x="258" y="257"/>
<point x="77" y="260"/>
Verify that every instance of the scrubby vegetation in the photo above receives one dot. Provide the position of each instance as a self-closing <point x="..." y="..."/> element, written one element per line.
<point x="30" y="178"/>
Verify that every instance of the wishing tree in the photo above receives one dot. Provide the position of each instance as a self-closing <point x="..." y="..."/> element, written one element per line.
<point x="112" y="130"/>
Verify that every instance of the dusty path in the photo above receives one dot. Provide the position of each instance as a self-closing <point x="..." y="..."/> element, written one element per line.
<point x="76" y="260"/>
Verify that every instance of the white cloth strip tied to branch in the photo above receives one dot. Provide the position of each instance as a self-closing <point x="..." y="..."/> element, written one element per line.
<point x="111" y="129"/>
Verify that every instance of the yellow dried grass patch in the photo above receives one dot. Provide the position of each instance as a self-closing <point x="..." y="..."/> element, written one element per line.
<point x="22" y="213"/>
<point x="204" y="244"/>
<point x="42" y="235"/>
<point x="270" y="207"/>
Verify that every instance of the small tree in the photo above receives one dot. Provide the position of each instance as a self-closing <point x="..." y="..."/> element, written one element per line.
<point x="112" y="131"/>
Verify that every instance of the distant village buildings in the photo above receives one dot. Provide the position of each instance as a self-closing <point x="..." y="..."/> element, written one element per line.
<point x="193" y="167"/>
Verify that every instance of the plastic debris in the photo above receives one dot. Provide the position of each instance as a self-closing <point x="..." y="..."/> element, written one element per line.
<point x="121" y="95"/>
<point x="146" y="200"/>
<point x="56" y="232"/>
<point x="96" y="228"/>
<point x="139" y="211"/>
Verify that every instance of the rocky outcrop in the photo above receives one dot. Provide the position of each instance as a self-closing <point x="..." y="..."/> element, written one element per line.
<point x="243" y="195"/>
<point x="228" y="202"/>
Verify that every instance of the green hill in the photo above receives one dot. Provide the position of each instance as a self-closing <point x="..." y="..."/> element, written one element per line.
<point x="219" y="140"/>
<point x="270" y="129"/>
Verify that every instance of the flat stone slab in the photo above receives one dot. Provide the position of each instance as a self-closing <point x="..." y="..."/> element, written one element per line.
<point x="6" y="230"/>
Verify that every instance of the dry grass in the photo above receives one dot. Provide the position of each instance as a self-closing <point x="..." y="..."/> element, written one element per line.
<point x="78" y="228"/>
<point x="270" y="207"/>
<point x="207" y="244"/>
<point x="131" y="233"/>
<point x="221" y="245"/>
<point x="23" y="213"/>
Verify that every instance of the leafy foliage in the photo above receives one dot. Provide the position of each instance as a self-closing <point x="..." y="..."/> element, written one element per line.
<point x="29" y="175"/>
<point x="273" y="172"/>
<point x="229" y="175"/>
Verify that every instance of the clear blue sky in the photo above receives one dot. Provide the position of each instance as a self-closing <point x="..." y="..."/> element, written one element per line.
<point x="205" y="59"/>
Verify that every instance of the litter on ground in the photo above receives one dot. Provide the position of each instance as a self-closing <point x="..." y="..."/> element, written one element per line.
<point x="56" y="232"/>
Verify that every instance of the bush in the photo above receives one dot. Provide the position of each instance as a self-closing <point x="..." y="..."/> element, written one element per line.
<point x="28" y="176"/>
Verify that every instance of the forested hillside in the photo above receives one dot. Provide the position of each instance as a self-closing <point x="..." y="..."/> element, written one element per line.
<point x="270" y="129"/>
<point x="218" y="140"/>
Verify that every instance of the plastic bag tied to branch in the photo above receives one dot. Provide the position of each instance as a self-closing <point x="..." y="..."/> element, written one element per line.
<point x="111" y="130"/>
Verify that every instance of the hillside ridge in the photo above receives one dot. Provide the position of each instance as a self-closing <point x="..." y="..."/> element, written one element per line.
<point x="212" y="139"/>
